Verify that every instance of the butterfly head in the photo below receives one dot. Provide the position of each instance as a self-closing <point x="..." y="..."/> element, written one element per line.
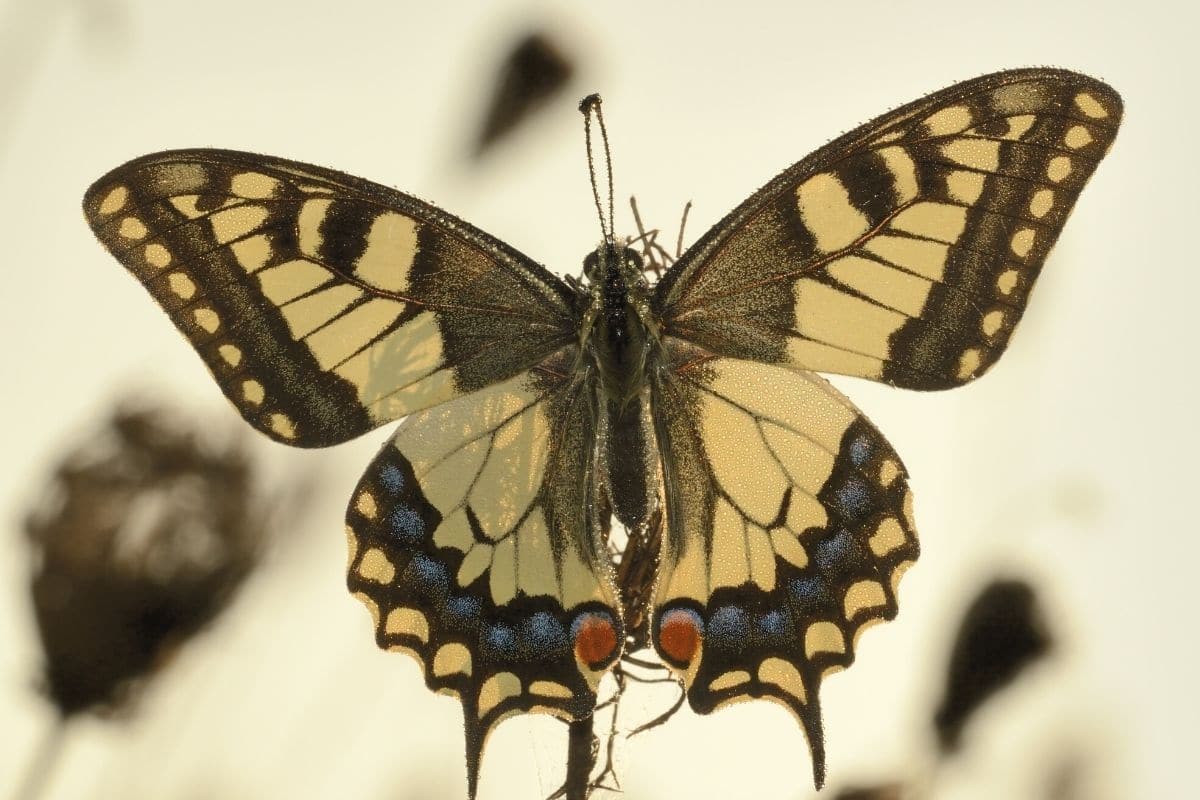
<point x="611" y="265"/>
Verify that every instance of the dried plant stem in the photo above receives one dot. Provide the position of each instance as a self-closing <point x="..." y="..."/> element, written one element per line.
<point x="41" y="765"/>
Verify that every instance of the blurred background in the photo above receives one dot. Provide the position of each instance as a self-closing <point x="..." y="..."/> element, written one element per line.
<point x="1065" y="474"/>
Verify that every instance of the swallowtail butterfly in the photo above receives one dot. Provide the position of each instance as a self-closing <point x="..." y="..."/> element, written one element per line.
<point x="774" y="519"/>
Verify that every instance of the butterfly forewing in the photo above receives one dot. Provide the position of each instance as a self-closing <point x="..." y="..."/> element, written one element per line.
<point x="789" y="525"/>
<point x="904" y="251"/>
<point x="475" y="545"/>
<point x="323" y="304"/>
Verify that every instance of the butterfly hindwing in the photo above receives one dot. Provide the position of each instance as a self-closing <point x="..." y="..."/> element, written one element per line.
<point x="475" y="544"/>
<point x="905" y="250"/>
<point x="789" y="525"/>
<point x="323" y="304"/>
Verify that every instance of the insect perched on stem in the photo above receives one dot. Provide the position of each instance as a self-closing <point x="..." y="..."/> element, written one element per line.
<point x="539" y="409"/>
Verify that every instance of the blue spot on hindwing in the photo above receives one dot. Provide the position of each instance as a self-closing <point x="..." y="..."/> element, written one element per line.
<point x="406" y="526"/>
<point x="860" y="450"/>
<point x="853" y="498"/>
<point x="543" y="635"/>
<point x="391" y="478"/>
<point x="831" y="553"/>
<point x="499" y="643"/>
<point x="463" y="611"/>
<point x="427" y="578"/>
<point x="775" y="623"/>
<point x="728" y="627"/>
<point x="809" y="594"/>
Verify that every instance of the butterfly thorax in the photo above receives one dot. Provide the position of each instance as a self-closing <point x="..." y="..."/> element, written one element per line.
<point x="619" y="340"/>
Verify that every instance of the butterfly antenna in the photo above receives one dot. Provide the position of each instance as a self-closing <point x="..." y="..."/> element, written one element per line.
<point x="590" y="108"/>
<point x="682" y="225"/>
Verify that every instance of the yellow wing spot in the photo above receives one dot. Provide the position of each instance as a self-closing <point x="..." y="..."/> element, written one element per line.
<point x="903" y="169"/>
<point x="823" y="637"/>
<point x="391" y="249"/>
<point x="923" y="257"/>
<point x="408" y="622"/>
<point x="887" y="537"/>
<point x="502" y="579"/>
<point x="536" y="572"/>
<point x="370" y="606"/>
<point x="375" y="567"/>
<point x="1022" y="242"/>
<point x="347" y="334"/>
<point x="496" y="690"/>
<point x="954" y="119"/>
<point x="474" y="564"/>
<point x="938" y="221"/>
<point x="254" y="185"/>
<point x="1077" y="137"/>
<point x="907" y="510"/>
<point x="885" y="285"/>
<point x="1058" y="168"/>
<point x="784" y="675"/>
<point x="283" y="425"/>
<point x="788" y="547"/>
<point x="889" y="470"/>
<point x="1007" y="281"/>
<point x="730" y="565"/>
<point x="287" y="281"/>
<point x="688" y="579"/>
<point x="828" y="213"/>
<point x="455" y="531"/>
<point x="452" y="659"/>
<point x="207" y="319"/>
<point x="965" y="187"/>
<point x="237" y="221"/>
<point x="230" y="354"/>
<point x="252" y="253"/>
<point x="114" y="201"/>
<point x="308" y="223"/>
<point x="365" y="504"/>
<point x="992" y="322"/>
<point x="186" y="204"/>
<point x="1019" y="125"/>
<point x="253" y="392"/>
<point x="1041" y="203"/>
<point x="730" y="679"/>
<point x="156" y="255"/>
<point x="1090" y="106"/>
<point x="351" y="545"/>
<point x="968" y="362"/>
<point x="824" y="310"/>
<point x="550" y="689"/>
<point x="861" y="596"/>
<point x="981" y="154"/>
<point x="181" y="285"/>
<point x="133" y="228"/>
<point x="761" y="556"/>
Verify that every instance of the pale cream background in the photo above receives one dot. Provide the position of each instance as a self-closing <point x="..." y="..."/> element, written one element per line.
<point x="1073" y="462"/>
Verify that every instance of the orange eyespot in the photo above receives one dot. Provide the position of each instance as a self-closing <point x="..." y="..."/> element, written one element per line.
<point x="595" y="639"/>
<point x="680" y="632"/>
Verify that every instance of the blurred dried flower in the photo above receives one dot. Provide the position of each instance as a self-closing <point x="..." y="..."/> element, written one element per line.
<point x="141" y="539"/>
<point x="1001" y="634"/>
<point x="535" y="70"/>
